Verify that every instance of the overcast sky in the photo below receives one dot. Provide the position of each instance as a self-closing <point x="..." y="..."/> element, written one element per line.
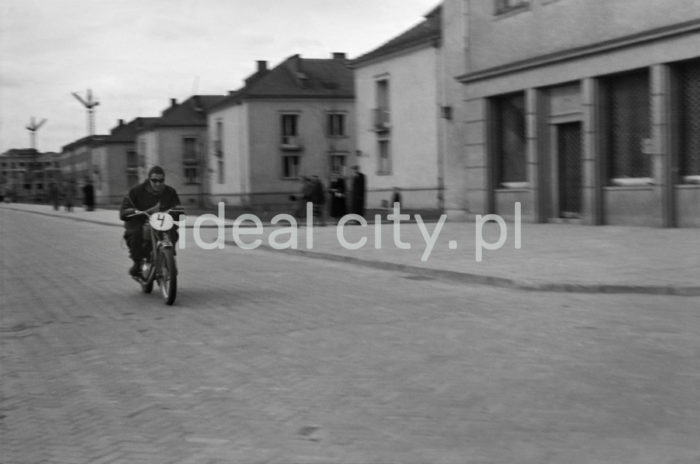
<point x="137" y="54"/>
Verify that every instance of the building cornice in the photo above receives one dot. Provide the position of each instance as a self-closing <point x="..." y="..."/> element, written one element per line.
<point x="666" y="32"/>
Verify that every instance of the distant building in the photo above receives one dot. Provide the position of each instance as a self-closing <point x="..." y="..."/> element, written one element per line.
<point x="177" y="141"/>
<point x="79" y="164"/>
<point x="295" y="119"/>
<point x="581" y="110"/>
<point x="26" y="174"/>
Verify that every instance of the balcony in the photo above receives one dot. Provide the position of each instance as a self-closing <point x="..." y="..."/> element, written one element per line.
<point x="381" y="120"/>
<point x="291" y="143"/>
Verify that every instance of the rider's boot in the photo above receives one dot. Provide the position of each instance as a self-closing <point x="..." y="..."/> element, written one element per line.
<point x="135" y="269"/>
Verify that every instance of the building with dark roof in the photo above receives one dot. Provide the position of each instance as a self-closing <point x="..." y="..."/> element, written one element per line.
<point x="116" y="163"/>
<point x="296" y="119"/>
<point x="177" y="141"/>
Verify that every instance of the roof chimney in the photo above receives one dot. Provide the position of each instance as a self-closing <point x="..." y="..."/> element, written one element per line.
<point x="262" y="65"/>
<point x="338" y="56"/>
<point x="173" y="101"/>
<point x="121" y="122"/>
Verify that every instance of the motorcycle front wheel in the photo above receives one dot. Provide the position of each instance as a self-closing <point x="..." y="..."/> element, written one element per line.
<point x="146" y="277"/>
<point x="167" y="280"/>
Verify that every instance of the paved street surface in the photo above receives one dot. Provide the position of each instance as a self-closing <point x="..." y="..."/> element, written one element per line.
<point x="271" y="357"/>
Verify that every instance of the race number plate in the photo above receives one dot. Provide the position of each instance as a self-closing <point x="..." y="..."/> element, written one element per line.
<point x="161" y="221"/>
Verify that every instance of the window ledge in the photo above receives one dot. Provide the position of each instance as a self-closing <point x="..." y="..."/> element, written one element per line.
<point x="507" y="12"/>
<point x="631" y="181"/>
<point x="515" y="185"/>
<point x="691" y="179"/>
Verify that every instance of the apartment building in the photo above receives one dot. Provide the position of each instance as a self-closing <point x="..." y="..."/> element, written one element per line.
<point x="294" y="120"/>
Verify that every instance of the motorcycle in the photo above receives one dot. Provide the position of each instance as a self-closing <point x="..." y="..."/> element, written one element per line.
<point x="159" y="264"/>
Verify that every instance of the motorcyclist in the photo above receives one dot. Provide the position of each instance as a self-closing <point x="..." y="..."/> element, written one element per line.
<point x="151" y="196"/>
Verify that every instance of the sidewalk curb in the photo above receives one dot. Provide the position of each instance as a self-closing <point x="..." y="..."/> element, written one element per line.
<point x="79" y="219"/>
<point x="454" y="276"/>
<point x="495" y="281"/>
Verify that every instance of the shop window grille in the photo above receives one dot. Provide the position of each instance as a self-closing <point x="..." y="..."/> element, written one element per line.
<point x="510" y="139"/>
<point x="628" y="114"/>
<point x="690" y="119"/>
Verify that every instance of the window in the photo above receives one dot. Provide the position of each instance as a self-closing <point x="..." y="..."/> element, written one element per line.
<point x="381" y="112"/>
<point x="505" y="6"/>
<point x="625" y="123"/>
<point x="218" y="147"/>
<point x="289" y="128"/>
<point x="337" y="163"/>
<point x="219" y="151"/>
<point x="190" y="160"/>
<point x="220" y="171"/>
<point x="132" y="164"/>
<point x="689" y="103"/>
<point x="336" y="125"/>
<point x="509" y="143"/>
<point x="132" y="159"/>
<point x="384" y="166"/>
<point x="142" y="153"/>
<point x="290" y="166"/>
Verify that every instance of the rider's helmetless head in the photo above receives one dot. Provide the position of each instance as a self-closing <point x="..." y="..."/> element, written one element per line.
<point x="156" y="178"/>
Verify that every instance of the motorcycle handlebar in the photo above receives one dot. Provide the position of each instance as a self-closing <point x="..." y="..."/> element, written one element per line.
<point x="147" y="214"/>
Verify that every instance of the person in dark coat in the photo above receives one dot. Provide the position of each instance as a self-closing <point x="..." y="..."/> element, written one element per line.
<point x="69" y="195"/>
<point x="152" y="196"/>
<point x="304" y="196"/>
<point x="55" y="196"/>
<point x="358" y="192"/>
<point x="337" y="191"/>
<point x="395" y="197"/>
<point x="318" y="198"/>
<point x="89" y="196"/>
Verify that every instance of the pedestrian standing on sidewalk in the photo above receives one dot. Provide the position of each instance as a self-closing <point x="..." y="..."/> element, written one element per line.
<point x="395" y="197"/>
<point x="358" y="192"/>
<point x="69" y="195"/>
<point x="55" y="196"/>
<point x="318" y="198"/>
<point x="89" y="195"/>
<point x="303" y="197"/>
<point x="337" y="193"/>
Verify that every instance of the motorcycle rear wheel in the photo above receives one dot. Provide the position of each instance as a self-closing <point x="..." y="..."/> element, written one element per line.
<point x="167" y="279"/>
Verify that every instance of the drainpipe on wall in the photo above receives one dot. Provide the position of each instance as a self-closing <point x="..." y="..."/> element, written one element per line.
<point x="444" y="116"/>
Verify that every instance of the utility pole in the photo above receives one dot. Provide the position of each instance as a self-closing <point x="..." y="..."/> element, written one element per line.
<point x="90" y="104"/>
<point x="34" y="126"/>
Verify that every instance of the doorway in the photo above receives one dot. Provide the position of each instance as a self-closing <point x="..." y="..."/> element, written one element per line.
<point x="569" y="170"/>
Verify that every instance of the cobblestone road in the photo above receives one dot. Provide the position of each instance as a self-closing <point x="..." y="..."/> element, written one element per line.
<point x="273" y="358"/>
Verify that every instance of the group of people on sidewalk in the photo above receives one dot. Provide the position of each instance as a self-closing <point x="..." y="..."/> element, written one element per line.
<point x="313" y="191"/>
<point x="68" y="193"/>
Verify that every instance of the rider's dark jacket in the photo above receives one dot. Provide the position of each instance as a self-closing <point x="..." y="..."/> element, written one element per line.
<point x="142" y="197"/>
